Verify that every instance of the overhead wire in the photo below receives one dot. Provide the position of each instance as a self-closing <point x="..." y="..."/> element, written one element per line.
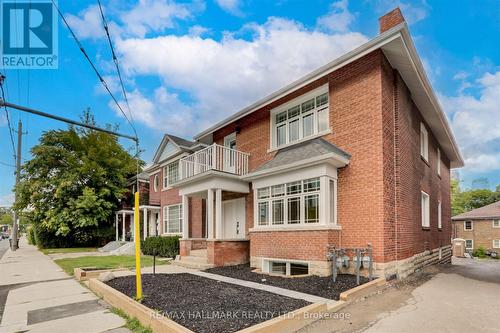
<point x="2" y="77"/>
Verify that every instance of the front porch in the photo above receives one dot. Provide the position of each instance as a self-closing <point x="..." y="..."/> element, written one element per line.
<point x="149" y="219"/>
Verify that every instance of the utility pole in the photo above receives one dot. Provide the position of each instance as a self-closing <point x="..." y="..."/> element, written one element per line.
<point x="15" y="223"/>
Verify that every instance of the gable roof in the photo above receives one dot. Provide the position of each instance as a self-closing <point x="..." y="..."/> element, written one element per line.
<point x="491" y="211"/>
<point x="302" y="151"/>
<point x="400" y="51"/>
<point x="180" y="143"/>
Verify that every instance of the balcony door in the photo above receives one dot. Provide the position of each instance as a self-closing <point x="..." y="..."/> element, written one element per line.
<point x="230" y="153"/>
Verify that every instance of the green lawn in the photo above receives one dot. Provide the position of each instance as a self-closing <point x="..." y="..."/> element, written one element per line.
<point x="69" y="264"/>
<point x="69" y="250"/>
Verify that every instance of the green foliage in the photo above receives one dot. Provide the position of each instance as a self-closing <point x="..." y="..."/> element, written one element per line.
<point x="161" y="246"/>
<point x="6" y="219"/>
<point x="464" y="201"/>
<point x="104" y="262"/>
<point x="73" y="184"/>
<point x="31" y="235"/>
<point x="480" y="252"/>
<point x="132" y="324"/>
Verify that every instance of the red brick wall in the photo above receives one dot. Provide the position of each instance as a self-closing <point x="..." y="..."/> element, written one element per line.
<point x="390" y="20"/>
<point x="222" y="253"/>
<point x="154" y="196"/>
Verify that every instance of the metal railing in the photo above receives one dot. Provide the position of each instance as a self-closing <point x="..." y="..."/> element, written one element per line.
<point x="214" y="157"/>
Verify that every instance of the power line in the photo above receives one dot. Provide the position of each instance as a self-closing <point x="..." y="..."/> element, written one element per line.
<point x="115" y="59"/>
<point x="2" y="78"/>
<point x="103" y="82"/>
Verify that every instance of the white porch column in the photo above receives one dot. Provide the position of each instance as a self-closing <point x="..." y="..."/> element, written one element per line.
<point x="123" y="227"/>
<point x="210" y="214"/>
<point x="185" y="216"/>
<point x="218" y="213"/>
<point x="116" y="226"/>
<point x="145" y="222"/>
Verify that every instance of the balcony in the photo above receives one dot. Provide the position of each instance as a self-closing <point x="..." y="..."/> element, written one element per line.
<point x="216" y="158"/>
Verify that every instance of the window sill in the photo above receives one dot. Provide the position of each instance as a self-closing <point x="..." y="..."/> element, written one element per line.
<point x="426" y="228"/>
<point x="296" y="228"/>
<point x="425" y="161"/>
<point x="315" y="136"/>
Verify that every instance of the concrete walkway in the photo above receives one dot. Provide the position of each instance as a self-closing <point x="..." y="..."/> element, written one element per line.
<point x="37" y="296"/>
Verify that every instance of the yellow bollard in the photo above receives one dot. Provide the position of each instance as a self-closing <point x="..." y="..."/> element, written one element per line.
<point x="137" y="240"/>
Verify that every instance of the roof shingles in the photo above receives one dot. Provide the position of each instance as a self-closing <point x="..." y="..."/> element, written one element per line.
<point x="491" y="211"/>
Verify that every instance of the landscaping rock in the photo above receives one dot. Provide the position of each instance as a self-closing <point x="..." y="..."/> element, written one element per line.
<point x="106" y="276"/>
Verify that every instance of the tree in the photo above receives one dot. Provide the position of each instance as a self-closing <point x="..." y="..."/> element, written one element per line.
<point x="465" y="201"/>
<point x="73" y="184"/>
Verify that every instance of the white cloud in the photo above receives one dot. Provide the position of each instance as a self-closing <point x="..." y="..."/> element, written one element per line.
<point x="224" y="76"/>
<point x="153" y="16"/>
<point x="230" y="6"/>
<point x="6" y="200"/>
<point x="474" y="121"/>
<point x="87" y="24"/>
<point x="338" y="19"/>
<point x="198" y="31"/>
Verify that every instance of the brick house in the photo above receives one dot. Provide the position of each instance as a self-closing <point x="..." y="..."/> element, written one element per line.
<point x="479" y="227"/>
<point x="358" y="151"/>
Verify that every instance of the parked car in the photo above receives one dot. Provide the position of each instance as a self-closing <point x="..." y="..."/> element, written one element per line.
<point x="4" y="235"/>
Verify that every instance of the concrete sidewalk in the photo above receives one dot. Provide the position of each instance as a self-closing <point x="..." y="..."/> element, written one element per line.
<point x="37" y="296"/>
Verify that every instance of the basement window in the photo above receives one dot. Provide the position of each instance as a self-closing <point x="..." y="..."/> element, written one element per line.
<point x="286" y="268"/>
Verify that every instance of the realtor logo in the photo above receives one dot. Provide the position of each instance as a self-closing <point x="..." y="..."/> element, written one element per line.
<point x="28" y="34"/>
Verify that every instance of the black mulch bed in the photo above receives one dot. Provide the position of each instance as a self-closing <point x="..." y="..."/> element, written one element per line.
<point x="314" y="285"/>
<point x="205" y="305"/>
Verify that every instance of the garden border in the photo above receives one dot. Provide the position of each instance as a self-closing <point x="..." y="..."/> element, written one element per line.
<point x="363" y="290"/>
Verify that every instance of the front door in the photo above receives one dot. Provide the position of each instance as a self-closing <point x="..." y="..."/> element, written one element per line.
<point x="233" y="218"/>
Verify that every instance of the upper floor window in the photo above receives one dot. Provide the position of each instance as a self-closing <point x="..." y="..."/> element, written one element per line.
<point x="438" y="166"/>
<point x="468" y="225"/>
<point x="170" y="174"/>
<point x="440" y="218"/>
<point x="155" y="183"/>
<point x="302" y="118"/>
<point x="425" y="210"/>
<point x="424" y="142"/>
<point x="496" y="223"/>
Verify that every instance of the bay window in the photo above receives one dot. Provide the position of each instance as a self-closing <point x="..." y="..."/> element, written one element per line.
<point x="302" y="118"/>
<point x="296" y="203"/>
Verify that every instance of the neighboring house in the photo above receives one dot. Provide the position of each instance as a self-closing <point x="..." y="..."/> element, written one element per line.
<point x="149" y="210"/>
<point x="479" y="227"/>
<point x="358" y="151"/>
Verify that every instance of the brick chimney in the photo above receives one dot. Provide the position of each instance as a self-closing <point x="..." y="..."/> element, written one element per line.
<point x="391" y="19"/>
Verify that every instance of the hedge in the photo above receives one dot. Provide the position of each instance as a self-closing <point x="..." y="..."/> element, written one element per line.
<point x="161" y="246"/>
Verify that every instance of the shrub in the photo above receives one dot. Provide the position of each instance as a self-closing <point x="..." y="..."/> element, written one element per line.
<point x="479" y="252"/>
<point x="161" y="246"/>
<point x="31" y="235"/>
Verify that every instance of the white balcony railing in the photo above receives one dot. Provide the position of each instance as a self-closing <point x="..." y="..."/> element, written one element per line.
<point x="214" y="157"/>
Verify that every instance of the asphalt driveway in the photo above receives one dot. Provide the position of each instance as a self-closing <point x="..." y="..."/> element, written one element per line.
<point x="463" y="297"/>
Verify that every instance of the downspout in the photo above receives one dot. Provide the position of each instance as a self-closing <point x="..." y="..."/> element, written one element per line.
<point x="395" y="165"/>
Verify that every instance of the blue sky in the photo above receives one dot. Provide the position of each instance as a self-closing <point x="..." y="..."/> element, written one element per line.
<point x="188" y="64"/>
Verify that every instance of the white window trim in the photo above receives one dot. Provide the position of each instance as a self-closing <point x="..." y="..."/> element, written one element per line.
<point x="471" y="225"/>
<point x="326" y="217"/>
<point x="469" y="248"/>
<point x="440" y="215"/>
<point x="169" y="184"/>
<point x="438" y="162"/>
<point x="493" y="224"/>
<point x="165" y="220"/>
<point x="496" y="246"/>
<point x="424" y="146"/>
<point x="425" y="210"/>
<point x="266" y="265"/>
<point x="297" y="101"/>
<point x="156" y="181"/>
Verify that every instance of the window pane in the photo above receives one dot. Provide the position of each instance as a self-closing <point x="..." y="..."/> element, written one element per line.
<point x="308" y="125"/>
<point x="174" y="219"/>
<point x="263" y="193"/>
<point x="307" y="106"/>
<point x="294" y="187"/>
<point x="322" y="99"/>
<point x="278" y="212"/>
<point x="298" y="269"/>
<point x="173" y="173"/>
<point x="294" y="210"/>
<point x="278" y="190"/>
<point x="293" y="112"/>
<point x="323" y="120"/>
<point x="311" y="185"/>
<point x="278" y="268"/>
<point x="293" y="131"/>
<point x="468" y="243"/>
<point x="165" y="177"/>
<point x="263" y="213"/>
<point x="280" y="117"/>
<point x="312" y="208"/>
<point x="281" y="135"/>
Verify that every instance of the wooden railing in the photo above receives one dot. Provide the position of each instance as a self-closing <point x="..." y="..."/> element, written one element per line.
<point x="214" y="157"/>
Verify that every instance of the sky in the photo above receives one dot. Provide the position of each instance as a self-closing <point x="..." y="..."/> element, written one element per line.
<point x="188" y="64"/>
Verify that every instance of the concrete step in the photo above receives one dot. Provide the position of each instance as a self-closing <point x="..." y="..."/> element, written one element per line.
<point x="111" y="246"/>
<point x="201" y="260"/>
<point x="192" y="262"/>
<point x="198" y="253"/>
